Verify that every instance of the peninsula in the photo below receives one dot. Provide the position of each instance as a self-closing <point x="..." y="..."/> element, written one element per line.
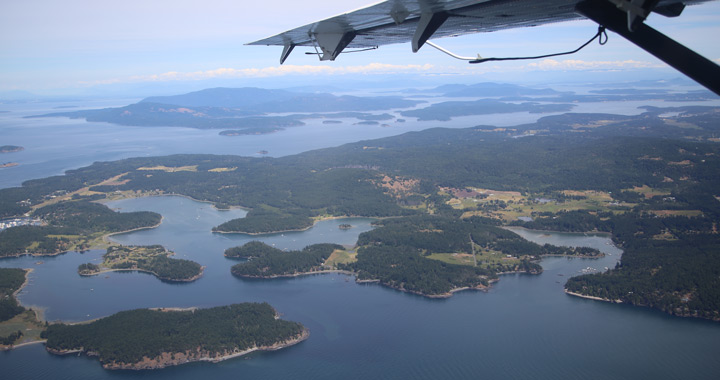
<point x="18" y="325"/>
<point x="70" y="225"/>
<point x="265" y="261"/>
<point x="166" y="337"/>
<point x="154" y="259"/>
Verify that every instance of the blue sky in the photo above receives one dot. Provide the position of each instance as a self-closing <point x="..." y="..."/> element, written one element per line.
<point x="54" y="46"/>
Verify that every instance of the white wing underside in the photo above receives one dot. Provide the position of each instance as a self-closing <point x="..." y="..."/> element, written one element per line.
<point x="399" y="21"/>
<point x="395" y="21"/>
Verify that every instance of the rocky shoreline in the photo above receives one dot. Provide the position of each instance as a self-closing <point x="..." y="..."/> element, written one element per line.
<point x="108" y="270"/>
<point x="167" y="359"/>
<point x="591" y="297"/>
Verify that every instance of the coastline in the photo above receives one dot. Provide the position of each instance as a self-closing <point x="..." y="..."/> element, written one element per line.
<point x="108" y="270"/>
<point x="104" y="237"/>
<point x="27" y="280"/>
<point x="370" y="281"/>
<point x="591" y="297"/>
<point x="38" y="314"/>
<point x="122" y="198"/>
<point x="167" y="359"/>
<point x="450" y="293"/>
<point x="26" y="344"/>
<point x="265" y="233"/>
<point x="314" y="219"/>
<point x="299" y="274"/>
<point x="510" y="228"/>
<point x="107" y="236"/>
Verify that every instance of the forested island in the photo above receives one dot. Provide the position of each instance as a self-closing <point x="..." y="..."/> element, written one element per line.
<point x="154" y="259"/>
<point x="264" y="261"/>
<point x="240" y="111"/>
<point x="10" y="148"/>
<point x="650" y="180"/>
<point x="249" y="131"/>
<point x="166" y="337"/>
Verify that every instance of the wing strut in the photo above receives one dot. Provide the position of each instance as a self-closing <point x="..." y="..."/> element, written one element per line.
<point x="688" y="62"/>
<point x="286" y="52"/>
<point x="428" y="24"/>
<point x="332" y="44"/>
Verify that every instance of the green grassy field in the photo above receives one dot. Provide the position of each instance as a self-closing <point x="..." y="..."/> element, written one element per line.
<point x="341" y="257"/>
<point x="26" y="323"/>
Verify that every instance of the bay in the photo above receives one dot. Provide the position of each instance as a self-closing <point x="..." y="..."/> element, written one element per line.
<point x="524" y="327"/>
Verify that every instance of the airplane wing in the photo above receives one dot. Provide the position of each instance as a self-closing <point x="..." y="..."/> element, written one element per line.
<point x="399" y="21"/>
<point x="415" y="21"/>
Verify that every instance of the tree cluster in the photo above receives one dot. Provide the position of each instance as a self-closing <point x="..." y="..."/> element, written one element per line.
<point x="11" y="279"/>
<point x="405" y="268"/>
<point x="130" y="336"/>
<point x="266" y="261"/>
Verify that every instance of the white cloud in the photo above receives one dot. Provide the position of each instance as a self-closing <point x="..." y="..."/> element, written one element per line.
<point x="575" y="65"/>
<point x="383" y="69"/>
<point x="275" y="71"/>
<point x="272" y="71"/>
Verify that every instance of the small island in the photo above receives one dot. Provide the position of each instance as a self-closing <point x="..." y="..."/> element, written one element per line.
<point x="345" y="226"/>
<point x="154" y="259"/>
<point x="165" y="337"/>
<point x="249" y="131"/>
<point x="10" y="148"/>
<point x="265" y="261"/>
<point x="8" y="164"/>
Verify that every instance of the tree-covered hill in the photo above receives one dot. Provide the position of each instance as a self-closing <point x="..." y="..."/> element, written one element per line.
<point x="147" y="339"/>
<point x="10" y="281"/>
<point x="267" y="262"/>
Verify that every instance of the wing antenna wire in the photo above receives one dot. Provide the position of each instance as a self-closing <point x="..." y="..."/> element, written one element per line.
<point x="601" y="36"/>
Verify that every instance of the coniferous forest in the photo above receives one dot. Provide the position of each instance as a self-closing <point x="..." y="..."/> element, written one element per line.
<point x="166" y="337"/>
